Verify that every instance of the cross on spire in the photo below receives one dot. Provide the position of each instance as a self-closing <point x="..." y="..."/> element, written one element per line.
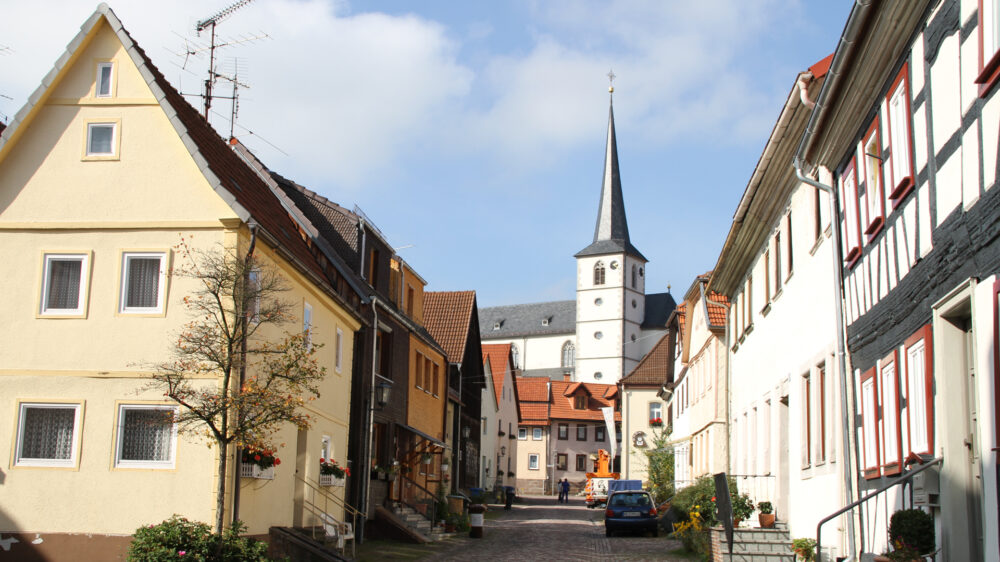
<point x="611" y="80"/>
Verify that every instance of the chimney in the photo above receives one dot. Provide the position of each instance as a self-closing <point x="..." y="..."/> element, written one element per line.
<point x="566" y="377"/>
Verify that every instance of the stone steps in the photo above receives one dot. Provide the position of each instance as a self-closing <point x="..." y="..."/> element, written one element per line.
<point x="755" y="545"/>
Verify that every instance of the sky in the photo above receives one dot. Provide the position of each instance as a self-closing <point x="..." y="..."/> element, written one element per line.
<point x="472" y="134"/>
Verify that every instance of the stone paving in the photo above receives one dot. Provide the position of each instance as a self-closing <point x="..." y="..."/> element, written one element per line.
<point x="539" y="528"/>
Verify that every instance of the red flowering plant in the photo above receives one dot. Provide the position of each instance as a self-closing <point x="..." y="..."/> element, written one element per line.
<point x="330" y="466"/>
<point x="264" y="458"/>
<point x="656" y="422"/>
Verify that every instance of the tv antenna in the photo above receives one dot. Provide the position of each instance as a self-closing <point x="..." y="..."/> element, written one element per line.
<point x="211" y="22"/>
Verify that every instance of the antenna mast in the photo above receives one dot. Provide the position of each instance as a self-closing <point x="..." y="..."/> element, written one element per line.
<point x="211" y="22"/>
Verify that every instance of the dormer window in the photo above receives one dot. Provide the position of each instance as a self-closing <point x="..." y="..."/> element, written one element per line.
<point x="497" y="324"/>
<point x="105" y="75"/>
<point x="545" y="321"/>
<point x="580" y="402"/>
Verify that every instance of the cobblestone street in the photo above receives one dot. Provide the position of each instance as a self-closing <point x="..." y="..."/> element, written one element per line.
<point x="539" y="528"/>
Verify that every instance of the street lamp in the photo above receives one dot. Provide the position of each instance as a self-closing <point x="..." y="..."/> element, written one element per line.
<point x="465" y="432"/>
<point x="382" y="392"/>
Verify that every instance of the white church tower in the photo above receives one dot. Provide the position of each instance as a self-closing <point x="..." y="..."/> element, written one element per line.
<point x="610" y="285"/>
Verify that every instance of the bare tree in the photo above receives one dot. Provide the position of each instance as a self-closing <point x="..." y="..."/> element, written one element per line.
<point x="258" y="384"/>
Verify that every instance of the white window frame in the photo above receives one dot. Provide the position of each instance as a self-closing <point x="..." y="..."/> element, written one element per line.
<point x="111" y="80"/>
<point x="891" y="449"/>
<point x="536" y="434"/>
<point x="339" y="359"/>
<point x="918" y="409"/>
<point x="989" y="25"/>
<point x="81" y="308"/>
<point x="43" y="462"/>
<point x="655" y="410"/>
<point x="522" y="434"/>
<point x="161" y="287"/>
<point x="898" y="121"/>
<point x="119" y="439"/>
<point x="852" y="220"/>
<point x="90" y="139"/>
<point x="533" y="461"/>
<point x="307" y="324"/>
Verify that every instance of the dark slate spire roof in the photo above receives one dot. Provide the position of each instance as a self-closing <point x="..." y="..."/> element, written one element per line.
<point x="611" y="231"/>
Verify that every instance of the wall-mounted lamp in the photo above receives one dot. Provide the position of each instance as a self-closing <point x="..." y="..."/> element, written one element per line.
<point x="382" y="392"/>
<point x="465" y="432"/>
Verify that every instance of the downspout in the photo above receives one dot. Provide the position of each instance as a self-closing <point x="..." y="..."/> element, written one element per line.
<point x="371" y="416"/>
<point x="729" y="398"/>
<point x="841" y="355"/>
<point x="243" y="364"/>
<point x="844" y="49"/>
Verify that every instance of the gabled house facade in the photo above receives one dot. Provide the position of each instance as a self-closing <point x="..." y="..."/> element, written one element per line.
<point x="503" y="423"/>
<point x="132" y="165"/>
<point x="534" y="473"/>
<point x="452" y="317"/>
<point x="905" y="133"/>
<point x="578" y="428"/>
<point x="699" y="399"/>
<point x="786" y="431"/>
<point x="645" y="422"/>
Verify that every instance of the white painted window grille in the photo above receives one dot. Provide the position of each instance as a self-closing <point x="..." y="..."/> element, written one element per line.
<point x="522" y="433"/>
<point x="64" y="286"/>
<point x="568" y="354"/>
<point x="599" y="273"/>
<point x="900" y="165"/>
<point x="143" y="279"/>
<point x="536" y="434"/>
<point x="533" y="462"/>
<point x="147" y="436"/>
<point x="515" y="356"/>
<point x="890" y="415"/>
<point x="916" y="404"/>
<point x="655" y="410"/>
<point x="870" y="419"/>
<point x="47" y="434"/>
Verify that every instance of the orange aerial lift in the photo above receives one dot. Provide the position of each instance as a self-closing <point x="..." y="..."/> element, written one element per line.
<point x="597" y="481"/>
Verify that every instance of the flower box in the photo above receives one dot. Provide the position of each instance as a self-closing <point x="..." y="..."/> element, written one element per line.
<point x="254" y="471"/>
<point x="331" y="480"/>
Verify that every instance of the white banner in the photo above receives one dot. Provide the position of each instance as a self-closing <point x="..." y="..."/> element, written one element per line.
<point x="609" y="420"/>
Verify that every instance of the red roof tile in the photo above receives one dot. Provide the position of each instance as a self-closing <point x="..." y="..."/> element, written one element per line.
<point x="820" y="69"/>
<point x="498" y="354"/>
<point x="717" y="306"/>
<point x="562" y="405"/>
<point x="448" y="318"/>
<point x="533" y="389"/>
<point x="534" y="412"/>
<point x="652" y="369"/>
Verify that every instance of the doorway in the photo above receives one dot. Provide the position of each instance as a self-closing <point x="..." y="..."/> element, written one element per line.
<point x="781" y="494"/>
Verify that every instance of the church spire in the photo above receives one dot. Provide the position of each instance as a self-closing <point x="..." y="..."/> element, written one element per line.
<point x="611" y="230"/>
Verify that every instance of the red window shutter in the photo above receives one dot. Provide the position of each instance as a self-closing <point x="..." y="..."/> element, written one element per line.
<point x="899" y="169"/>
<point x="892" y="446"/>
<point x="918" y="352"/>
<point x="870" y="423"/>
<point x="852" y="223"/>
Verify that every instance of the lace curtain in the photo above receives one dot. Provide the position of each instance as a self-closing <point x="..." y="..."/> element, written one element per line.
<point x="48" y="433"/>
<point x="143" y="283"/>
<point x="145" y="435"/>
<point x="64" y="284"/>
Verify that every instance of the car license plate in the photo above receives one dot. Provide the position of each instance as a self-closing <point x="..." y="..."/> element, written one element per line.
<point x="631" y="514"/>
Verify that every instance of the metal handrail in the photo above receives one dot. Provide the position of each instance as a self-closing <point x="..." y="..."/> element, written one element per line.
<point x="903" y="478"/>
<point x="328" y="497"/>
<point x="432" y="516"/>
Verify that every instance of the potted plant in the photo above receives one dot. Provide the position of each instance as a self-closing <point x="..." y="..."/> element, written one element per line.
<point x="911" y="534"/>
<point x="426" y="458"/>
<point x="742" y="508"/>
<point x="332" y="474"/>
<point x="805" y="549"/>
<point x="766" y="516"/>
<point x="258" y="463"/>
<point x="656" y="422"/>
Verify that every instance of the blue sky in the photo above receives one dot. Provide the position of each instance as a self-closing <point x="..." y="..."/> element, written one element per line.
<point x="472" y="133"/>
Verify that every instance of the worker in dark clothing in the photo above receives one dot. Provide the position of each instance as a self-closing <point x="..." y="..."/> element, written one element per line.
<point x="508" y="497"/>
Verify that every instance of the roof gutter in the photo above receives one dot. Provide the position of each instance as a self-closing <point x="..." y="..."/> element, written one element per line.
<point x="848" y="42"/>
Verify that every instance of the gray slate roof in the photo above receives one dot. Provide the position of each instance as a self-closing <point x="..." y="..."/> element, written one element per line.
<point x="611" y="230"/>
<point x="526" y="319"/>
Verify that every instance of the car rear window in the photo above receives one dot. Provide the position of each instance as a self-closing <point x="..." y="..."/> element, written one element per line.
<point x="630" y="500"/>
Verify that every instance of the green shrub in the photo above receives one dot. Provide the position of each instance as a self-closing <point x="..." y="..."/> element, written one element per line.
<point x="699" y="497"/>
<point x="912" y="529"/>
<point x="805" y="549"/>
<point x="183" y="540"/>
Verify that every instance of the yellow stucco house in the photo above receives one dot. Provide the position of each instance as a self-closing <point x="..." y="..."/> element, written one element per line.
<point x="100" y="174"/>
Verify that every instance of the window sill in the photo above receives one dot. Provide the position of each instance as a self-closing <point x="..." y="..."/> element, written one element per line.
<point x="788" y="277"/>
<point x="816" y="245"/>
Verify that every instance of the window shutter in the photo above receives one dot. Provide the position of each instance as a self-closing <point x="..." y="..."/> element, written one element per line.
<point x="891" y="437"/>
<point x="870" y="423"/>
<point x="919" y="385"/>
<point x="852" y="228"/>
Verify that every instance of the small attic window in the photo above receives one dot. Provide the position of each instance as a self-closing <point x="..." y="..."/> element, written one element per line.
<point x="545" y="321"/>
<point x="497" y="324"/>
<point x="105" y="75"/>
<point x="580" y="401"/>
